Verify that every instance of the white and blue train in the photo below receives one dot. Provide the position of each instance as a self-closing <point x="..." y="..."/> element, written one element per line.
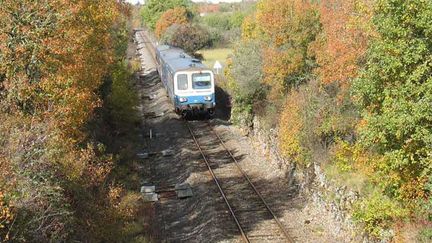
<point x="189" y="83"/>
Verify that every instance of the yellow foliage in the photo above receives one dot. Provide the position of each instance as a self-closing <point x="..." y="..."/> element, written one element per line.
<point x="278" y="64"/>
<point x="278" y="19"/>
<point x="286" y="27"/>
<point x="290" y="125"/>
<point x="6" y="218"/>
<point x="249" y="28"/>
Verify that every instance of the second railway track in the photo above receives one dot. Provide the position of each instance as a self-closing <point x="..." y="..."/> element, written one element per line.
<point x="252" y="215"/>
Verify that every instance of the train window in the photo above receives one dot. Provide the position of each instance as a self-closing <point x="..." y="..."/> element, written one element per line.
<point x="201" y="80"/>
<point x="182" y="82"/>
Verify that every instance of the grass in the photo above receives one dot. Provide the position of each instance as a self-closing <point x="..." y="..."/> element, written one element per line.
<point x="213" y="55"/>
<point x="354" y="180"/>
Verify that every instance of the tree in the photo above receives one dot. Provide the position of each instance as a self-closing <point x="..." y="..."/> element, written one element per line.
<point x="190" y="38"/>
<point x="153" y="10"/>
<point x="395" y="93"/>
<point x="178" y="15"/>
<point x="54" y="56"/>
<point x="245" y="75"/>
<point x="288" y="28"/>
<point x="342" y="44"/>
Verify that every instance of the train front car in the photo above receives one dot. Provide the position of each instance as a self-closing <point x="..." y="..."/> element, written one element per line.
<point x="194" y="91"/>
<point x="190" y="84"/>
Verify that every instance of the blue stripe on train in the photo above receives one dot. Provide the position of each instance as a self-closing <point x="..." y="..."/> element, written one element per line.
<point x="195" y="100"/>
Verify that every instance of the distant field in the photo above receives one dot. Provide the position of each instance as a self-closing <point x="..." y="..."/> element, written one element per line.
<point x="213" y="55"/>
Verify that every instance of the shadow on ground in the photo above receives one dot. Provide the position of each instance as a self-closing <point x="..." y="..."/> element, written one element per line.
<point x="203" y="217"/>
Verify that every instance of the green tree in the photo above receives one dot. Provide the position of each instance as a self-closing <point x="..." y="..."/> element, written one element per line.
<point x="245" y="74"/>
<point x="190" y="38"/>
<point x="153" y="10"/>
<point x="395" y="92"/>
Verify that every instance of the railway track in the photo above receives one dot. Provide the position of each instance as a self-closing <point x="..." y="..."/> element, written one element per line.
<point x="252" y="215"/>
<point x="255" y="220"/>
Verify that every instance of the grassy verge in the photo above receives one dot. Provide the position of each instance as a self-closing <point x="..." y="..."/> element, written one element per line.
<point x="213" y="55"/>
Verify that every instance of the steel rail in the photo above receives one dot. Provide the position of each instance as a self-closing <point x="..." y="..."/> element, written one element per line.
<point x="245" y="238"/>
<point x="281" y="227"/>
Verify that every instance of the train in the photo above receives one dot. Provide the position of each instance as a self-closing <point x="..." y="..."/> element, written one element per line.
<point x="189" y="83"/>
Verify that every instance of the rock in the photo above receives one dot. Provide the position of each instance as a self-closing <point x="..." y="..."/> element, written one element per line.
<point x="143" y="155"/>
<point x="148" y="189"/>
<point x="150" y="197"/>
<point x="167" y="153"/>
<point x="183" y="190"/>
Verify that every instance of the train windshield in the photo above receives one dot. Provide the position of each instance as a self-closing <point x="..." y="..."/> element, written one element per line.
<point x="182" y="82"/>
<point x="201" y="80"/>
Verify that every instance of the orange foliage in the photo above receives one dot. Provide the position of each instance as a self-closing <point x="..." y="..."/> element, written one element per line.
<point x="73" y="55"/>
<point x="343" y="41"/>
<point x="173" y="16"/>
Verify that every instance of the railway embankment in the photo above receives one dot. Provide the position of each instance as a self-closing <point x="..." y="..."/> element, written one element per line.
<point x="322" y="198"/>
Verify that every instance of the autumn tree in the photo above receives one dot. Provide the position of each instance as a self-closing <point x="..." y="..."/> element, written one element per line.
<point x="178" y="15"/>
<point x="153" y="10"/>
<point x="288" y="27"/>
<point x="341" y="45"/>
<point x="54" y="56"/>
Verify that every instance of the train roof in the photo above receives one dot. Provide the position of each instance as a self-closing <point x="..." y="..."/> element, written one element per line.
<point x="178" y="60"/>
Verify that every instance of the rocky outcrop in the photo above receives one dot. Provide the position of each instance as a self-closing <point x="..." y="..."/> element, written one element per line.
<point x="312" y="183"/>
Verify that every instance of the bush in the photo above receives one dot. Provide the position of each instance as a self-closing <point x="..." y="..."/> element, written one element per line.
<point x="244" y="76"/>
<point x="312" y="120"/>
<point x="123" y="99"/>
<point x="377" y="213"/>
<point x="190" y="38"/>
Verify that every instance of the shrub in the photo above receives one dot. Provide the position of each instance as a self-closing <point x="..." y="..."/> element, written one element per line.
<point x="312" y="120"/>
<point x="244" y="76"/>
<point x="377" y="213"/>
<point x="123" y="99"/>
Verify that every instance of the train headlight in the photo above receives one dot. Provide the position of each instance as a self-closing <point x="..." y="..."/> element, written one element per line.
<point x="207" y="98"/>
<point x="182" y="100"/>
